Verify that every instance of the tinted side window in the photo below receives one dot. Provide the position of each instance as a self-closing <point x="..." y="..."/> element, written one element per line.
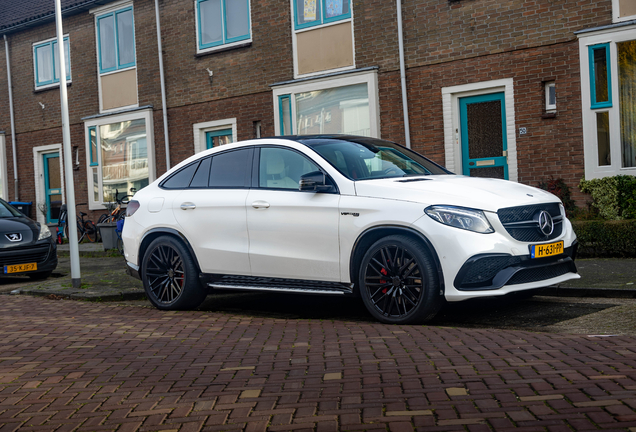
<point x="181" y="179"/>
<point x="281" y="168"/>
<point x="201" y="178"/>
<point x="230" y="169"/>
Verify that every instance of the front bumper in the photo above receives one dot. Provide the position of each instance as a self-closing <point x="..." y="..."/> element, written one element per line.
<point x="44" y="254"/>
<point x="487" y="272"/>
<point x="511" y="270"/>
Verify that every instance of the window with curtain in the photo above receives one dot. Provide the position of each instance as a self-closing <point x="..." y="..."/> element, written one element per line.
<point x="116" y="40"/>
<point x="47" y="62"/>
<point x="627" y="94"/>
<point x="222" y="22"/>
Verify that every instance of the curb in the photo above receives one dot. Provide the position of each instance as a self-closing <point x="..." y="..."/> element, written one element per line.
<point x="588" y="292"/>
<point x="122" y="296"/>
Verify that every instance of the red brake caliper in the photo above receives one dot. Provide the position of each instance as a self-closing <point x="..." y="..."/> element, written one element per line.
<point x="384" y="272"/>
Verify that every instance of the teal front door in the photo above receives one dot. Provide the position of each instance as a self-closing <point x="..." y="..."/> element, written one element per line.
<point x="52" y="186"/>
<point x="483" y="136"/>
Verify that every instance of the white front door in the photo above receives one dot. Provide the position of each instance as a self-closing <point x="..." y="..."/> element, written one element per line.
<point x="292" y="234"/>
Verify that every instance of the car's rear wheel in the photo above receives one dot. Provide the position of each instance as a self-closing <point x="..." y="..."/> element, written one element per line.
<point x="398" y="281"/>
<point x="170" y="276"/>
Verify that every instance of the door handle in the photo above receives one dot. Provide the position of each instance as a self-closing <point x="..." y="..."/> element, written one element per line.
<point x="260" y="204"/>
<point x="188" y="206"/>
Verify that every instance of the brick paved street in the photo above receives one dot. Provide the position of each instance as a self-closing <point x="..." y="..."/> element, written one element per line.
<point x="68" y="365"/>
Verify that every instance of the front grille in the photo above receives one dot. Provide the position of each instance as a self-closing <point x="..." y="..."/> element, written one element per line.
<point x="539" y="273"/>
<point x="37" y="254"/>
<point x="521" y="223"/>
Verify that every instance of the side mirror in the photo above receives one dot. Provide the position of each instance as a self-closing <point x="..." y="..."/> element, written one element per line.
<point x="314" y="181"/>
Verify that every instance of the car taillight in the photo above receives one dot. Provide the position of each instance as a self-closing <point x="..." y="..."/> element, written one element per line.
<point x="132" y="208"/>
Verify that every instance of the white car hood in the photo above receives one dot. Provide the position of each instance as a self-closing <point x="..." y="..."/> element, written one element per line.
<point x="479" y="193"/>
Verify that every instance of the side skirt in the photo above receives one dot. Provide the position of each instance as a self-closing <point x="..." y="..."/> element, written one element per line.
<point x="297" y="286"/>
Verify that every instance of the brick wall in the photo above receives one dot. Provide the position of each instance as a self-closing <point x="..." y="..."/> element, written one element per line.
<point x="552" y="146"/>
<point x="438" y="31"/>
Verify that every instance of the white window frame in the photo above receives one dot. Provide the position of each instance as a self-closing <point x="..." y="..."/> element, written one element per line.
<point x="370" y="78"/>
<point x="590" y="145"/>
<point x="616" y="8"/>
<point x="550" y="108"/>
<point x="452" y="126"/>
<point x="35" y="64"/>
<point x="221" y="46"/>
<point x="3" y="167"/>
<point x="38" y="171"/>
<point x="200" y="129"/>
<point x="327" y="24"/>
<point x="147" y="115"/>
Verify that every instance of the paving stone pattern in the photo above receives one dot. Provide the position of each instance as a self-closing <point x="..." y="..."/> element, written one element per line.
<point x="68" y="365"/>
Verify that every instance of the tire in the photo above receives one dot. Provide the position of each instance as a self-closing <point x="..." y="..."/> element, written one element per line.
<point x="90" y="231"/>
<point x="80" y="234"/>
<point x="168" y="264"/>
<point x="103" y="218"/>
<point x="398" y="281"/>
<point x="40" y="275"/>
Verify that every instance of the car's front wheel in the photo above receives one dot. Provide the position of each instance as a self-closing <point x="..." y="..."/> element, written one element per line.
<point x="170" y="276"/>
<point x="398" y="281"/>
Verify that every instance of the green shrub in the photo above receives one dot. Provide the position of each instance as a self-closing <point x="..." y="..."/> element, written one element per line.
<point x="606" y="238"/>
<point x="613" y="197"/>
<point x="561" y="190"/>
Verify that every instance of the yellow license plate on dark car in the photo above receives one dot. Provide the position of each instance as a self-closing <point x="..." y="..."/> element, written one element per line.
<point x="546" y="250"/>
<point x="20" y="268"/>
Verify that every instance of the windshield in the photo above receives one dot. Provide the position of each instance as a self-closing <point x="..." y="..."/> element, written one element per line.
<point x="6" y="211"/>
<point x="368" y="158"/>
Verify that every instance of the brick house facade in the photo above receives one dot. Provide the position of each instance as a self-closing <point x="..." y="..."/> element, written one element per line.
<point x="304" y="67"/>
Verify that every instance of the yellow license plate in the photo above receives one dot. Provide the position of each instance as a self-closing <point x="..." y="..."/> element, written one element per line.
<point x="546" y="250"/>
<point x="19" y="268"/>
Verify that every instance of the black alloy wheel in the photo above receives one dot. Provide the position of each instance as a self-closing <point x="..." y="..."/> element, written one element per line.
<point x="170" y="276"/>
<point x="398" y="281"/>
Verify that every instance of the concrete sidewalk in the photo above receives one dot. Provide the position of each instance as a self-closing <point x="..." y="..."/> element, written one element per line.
<point x="104" y="279"/>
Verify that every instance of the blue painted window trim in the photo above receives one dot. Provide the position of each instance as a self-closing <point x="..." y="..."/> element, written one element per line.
<point x="594" y="103"/>
<point x="323" y="19"/>
<point x="116" y="41"/>
<point x="216" y="133"/>
<point x="281" y="115"/>
<point x="55" y="80"/>
<point x="90" y="146"/>
<point x="225" y="39"/>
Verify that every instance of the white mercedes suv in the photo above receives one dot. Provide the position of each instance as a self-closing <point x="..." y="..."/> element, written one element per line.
<point x="342" y="215"/>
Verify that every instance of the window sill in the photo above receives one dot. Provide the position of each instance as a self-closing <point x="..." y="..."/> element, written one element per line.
<point x="549" y="115"/>
<point x="50" y="87"/>
<point x="222" y="49"/>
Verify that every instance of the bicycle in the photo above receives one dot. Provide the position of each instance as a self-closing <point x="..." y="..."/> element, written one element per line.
<point x="118" y="212"/>
<point x="85" y="228"/>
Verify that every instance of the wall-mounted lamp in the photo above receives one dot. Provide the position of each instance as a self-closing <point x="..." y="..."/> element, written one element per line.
<point x="42" y="105"/>
<point x="210" y="74"/>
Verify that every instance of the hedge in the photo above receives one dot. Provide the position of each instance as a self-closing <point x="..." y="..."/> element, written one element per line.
<point x="602" y="238"/>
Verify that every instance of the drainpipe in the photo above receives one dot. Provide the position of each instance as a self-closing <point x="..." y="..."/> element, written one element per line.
<point x="163" y="87"/>
<point x="15" y="158"/>
<point x="405" y="103"/>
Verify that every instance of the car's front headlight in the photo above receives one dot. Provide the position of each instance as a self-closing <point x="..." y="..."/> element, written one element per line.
<point x="45" y="232"/>
<point x="460" y="217"/>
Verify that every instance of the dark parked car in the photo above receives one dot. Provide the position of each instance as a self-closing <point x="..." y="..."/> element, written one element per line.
<point x="26" y="246"/>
